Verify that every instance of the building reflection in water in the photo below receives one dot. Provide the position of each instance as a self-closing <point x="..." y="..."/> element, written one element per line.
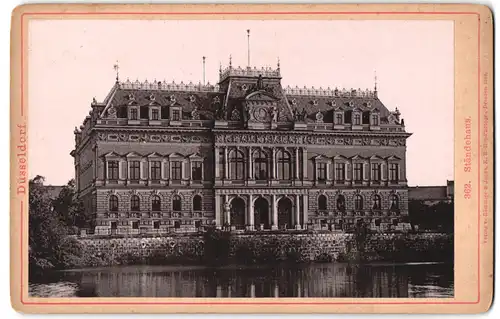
<point x="315" y="280"/>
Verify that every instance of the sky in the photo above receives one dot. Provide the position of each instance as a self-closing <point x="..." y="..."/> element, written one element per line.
<point x="71" y="61"/>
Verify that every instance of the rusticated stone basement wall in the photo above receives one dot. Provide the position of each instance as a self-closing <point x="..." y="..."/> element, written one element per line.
<point x="270" y="248"/>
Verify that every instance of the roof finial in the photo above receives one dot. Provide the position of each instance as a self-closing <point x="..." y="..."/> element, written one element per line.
<point x="220" y="68"/>
<point x="248" y="36"/>
<point x="117" y="68"/>
<point x="375" y="81"/>
<point x="230" y="61"/>
<point x="203" y="70"/>
<point x="278" y="63"/>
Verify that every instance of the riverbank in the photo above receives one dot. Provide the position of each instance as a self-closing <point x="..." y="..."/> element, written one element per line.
<point x="219" y="248"/>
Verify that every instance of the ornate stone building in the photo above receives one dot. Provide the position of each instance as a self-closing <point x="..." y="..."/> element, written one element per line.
<point x="246" y="153"/>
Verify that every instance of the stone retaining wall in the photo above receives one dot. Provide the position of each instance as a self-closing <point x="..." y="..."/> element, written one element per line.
<point x="270" y="247"/>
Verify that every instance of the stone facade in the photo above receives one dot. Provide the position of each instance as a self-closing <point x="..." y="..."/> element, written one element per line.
<point x="245" y="154"/>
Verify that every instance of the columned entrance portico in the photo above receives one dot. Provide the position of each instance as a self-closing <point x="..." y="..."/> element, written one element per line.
<point x="262" y="209"/>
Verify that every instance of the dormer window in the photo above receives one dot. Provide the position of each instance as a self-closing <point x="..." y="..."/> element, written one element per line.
<point x="333" y="103"/>
<point x="155" y="114"/>
<point x="356" y="119"/>
<point x="339" y="118"/>
<point x="369" y="104"/>
<point x="133" y="114"/>
<point x="374" y="120"/>
<point x="176" y="114"/>
<point x="172" y="98"/>
<point x="351" y="103"/>
<point x="151" y="97"/>
<point x="131" y="97"/>
<point x="192" y="98"/>
<point x="294" y="102"/>
<point x="315" y="102"/>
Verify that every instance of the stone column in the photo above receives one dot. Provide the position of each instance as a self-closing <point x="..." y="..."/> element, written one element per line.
<point x="163" y="169"/>
<point x="274" y="212"/>
<point x="226" y="164"/>
<point x="276" y="291"/>
<point x="218" y="219"/>
<point x="297" y="212"/>
<point x="297" y="162"/>
<point x="250" y="218"/>
<point x="144" y="169"/>
<point x="328" y="171"/>
<point x="305" y="209"/>
<point x="121" y="169"/>
<point x="304" y="163"/>
<point x="250" y="163"/>
<point x="227" y="218"/>
<point x="273" y="164"/>
<point x="217" y="162"/>
<point x="252" y="290"/>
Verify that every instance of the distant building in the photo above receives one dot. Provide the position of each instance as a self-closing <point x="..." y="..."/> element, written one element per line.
<point x="246" y="153"/>
<point x="431" y="195"/>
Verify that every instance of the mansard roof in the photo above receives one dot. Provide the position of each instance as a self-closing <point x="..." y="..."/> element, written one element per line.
<point x="237" y="85"/>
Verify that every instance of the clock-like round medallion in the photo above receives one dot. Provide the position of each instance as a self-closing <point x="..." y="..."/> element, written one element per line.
<point x="260" y="114"/>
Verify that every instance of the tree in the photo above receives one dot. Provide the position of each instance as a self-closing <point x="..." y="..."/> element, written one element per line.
<point x="70" y="208"/>
<point x="49" y="245"/>
<point x="438" y="216"/>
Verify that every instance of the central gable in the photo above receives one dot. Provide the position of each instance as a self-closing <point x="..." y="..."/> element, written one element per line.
<point x="261" y="96"/>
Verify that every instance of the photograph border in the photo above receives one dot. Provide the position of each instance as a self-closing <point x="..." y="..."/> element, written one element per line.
<point x="24" y="13"/>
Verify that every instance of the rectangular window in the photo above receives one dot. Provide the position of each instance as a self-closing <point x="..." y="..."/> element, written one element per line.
<point x="340" y="171"/>
<point x="176" y="171"/>
<point x="196" y="171"/>
<point x="135" y="170"/>
<point x="156" y="224"/>
<point x="155" y="115"/>
<point x="321" y="171"/>
<point x="156" y="170"/>
<point x="376" y="172"/>
<point x="358" y="171"/>
<point x="133" y="114"/>
<point x="394" y="172"/>
<point x="176" y="115"/>
<point x="135" y="225"/>
<point x="113" y="170"/>
<point x="375" y="120"/>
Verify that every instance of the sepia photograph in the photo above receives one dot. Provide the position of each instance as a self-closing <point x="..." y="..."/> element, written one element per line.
<point x="240" y="158"/>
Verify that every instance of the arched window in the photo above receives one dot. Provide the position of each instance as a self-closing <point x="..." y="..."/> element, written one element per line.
<point x="260" y="162"/>
<point x="284" y="165"/>
<point x="377" y="202"/>
<point x="322" y="202"/>
<point x="358" y="202"/>
<point x="156" y="203"/>
<point x="135" y="203"/>
<point x="176" y="203"/>
<point x="341" y="203"/>
<point x="113" y="203"/>
<point x="237" y="165"/>
<point x="394" y="202"/>
<point x="197" y="202"/>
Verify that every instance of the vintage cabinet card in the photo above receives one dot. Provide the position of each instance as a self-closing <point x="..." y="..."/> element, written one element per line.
<point x="252" y="158"/>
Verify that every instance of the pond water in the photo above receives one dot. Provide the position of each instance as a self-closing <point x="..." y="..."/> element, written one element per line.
<point x="419" y="280"/>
